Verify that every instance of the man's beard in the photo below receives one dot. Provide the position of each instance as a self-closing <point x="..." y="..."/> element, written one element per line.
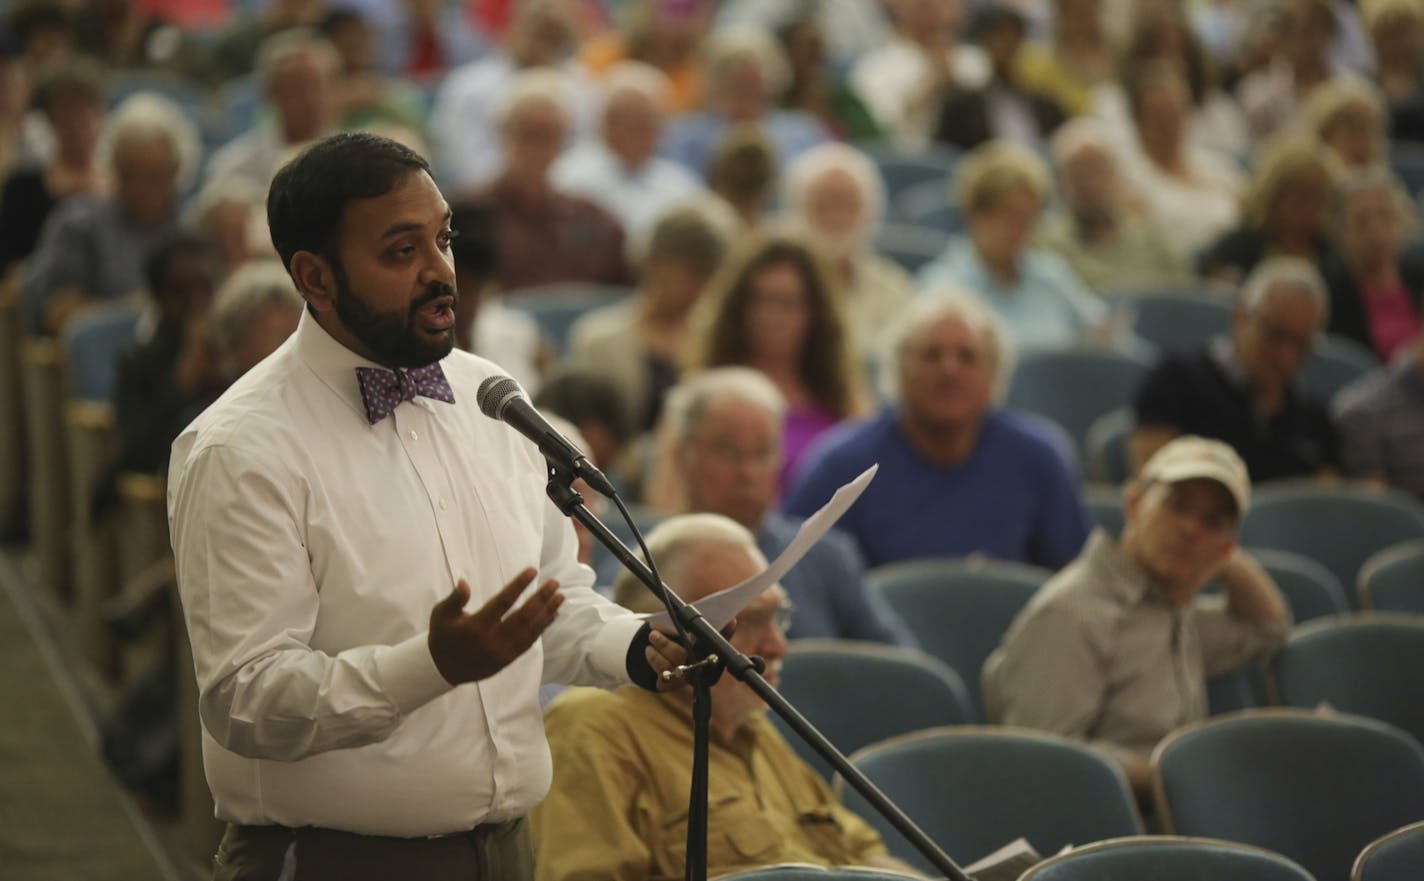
<point x="391" y="337"/>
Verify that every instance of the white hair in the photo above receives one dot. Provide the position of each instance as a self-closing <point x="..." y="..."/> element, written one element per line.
<point x="282" y="47"/>
<point x="688" y="401"/>
<point x="144" y="116"/>
<point x="674" y="544"/>
<point x="243" y="296"/>
<point x="541" y="85"/>
<point x="1275" y="276"/>
<point x="809" y="168"/>
<point x="636" y="78"/>
<point x="1079" y="134"/>
<point x="221" y="192"/>
<point x="742" y="43"/>
<point x="929" y="310"/>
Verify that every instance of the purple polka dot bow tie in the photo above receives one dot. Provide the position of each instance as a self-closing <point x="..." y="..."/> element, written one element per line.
<point x="382" y="390"/>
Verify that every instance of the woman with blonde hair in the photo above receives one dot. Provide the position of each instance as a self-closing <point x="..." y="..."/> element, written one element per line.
<point x="1285" y="211"/>
<point x="1347" y="114"/>
<point x="774" y="307"/>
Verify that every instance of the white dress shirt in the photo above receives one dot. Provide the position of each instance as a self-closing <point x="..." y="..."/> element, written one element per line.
<point x="311" y="548"/>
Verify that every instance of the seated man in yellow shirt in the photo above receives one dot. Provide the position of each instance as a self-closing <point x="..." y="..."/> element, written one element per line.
<point x="623" y="759"/>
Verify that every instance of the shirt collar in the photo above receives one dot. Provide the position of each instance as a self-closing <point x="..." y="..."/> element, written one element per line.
<point x="1122" y="580"/>
<point x="333" y="363"/>
<point x="1223" y="353"/>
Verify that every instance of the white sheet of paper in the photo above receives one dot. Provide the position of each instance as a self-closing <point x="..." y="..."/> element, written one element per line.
<point x="723" y="606"/>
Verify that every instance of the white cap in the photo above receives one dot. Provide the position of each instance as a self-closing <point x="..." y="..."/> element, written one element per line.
<point x="1192" y="457"/>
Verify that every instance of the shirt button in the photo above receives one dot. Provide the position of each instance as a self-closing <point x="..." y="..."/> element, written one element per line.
<point x="412" y="435"/>
<point x="441" y="503"/>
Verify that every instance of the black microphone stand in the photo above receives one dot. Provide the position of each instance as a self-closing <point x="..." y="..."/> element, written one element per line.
<point x="710" y="652"/>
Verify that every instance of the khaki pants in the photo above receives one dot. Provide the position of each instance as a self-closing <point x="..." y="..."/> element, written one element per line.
<point x="493" y="852"/>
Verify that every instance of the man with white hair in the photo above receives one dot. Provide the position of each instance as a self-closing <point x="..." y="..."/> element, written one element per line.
<point x="746" y="76"/>
<point x="543" y="235"/>
<point x="1107" y="239"/>
<point x="1116" y="648"/>
<point x="1242" y="389"/>
<point x="622" y="760"/>
<point x="726" y="426"/>
<point x="835" y="194"/>
<point x="296" y="69"/>
<point x="91" y="249"/>
<point x="957" y="475"/>
<point x="620" y="172"/>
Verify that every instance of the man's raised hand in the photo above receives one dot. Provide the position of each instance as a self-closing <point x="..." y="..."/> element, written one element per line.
<point x="467" y="647"/>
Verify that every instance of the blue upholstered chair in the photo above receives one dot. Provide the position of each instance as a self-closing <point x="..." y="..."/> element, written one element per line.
<point x="973" y="790"/>
<point x="1074" y="387"/>
<point x="1167" y="858"/>
<point x="1316" y="788"/>
<point x="1398" y="856"/>
<point x="1392" y="580"/>
<point x="557" y="306"/>
<point x="858" y="693"/>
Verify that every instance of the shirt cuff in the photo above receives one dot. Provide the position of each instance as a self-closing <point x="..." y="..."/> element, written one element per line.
<point x="409" y="675"/>
<point x="609" y="657"/>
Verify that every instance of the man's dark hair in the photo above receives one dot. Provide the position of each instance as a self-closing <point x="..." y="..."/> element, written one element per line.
<point x="309" y="195"/>
<point x="581" y="396"/>
<point x="175" y="246"/>
<point x="475" y="249"/>
<point x="75" y="77"/>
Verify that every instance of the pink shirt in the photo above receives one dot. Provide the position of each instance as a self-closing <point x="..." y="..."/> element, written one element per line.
<point x="803" y="425"/>
<point x="1393" y="321"/>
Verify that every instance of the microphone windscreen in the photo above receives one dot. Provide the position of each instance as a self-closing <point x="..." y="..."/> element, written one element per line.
<point x="494" y="393"/>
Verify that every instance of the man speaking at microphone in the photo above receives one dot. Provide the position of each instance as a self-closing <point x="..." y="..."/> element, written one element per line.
<point x="373" y="581"/>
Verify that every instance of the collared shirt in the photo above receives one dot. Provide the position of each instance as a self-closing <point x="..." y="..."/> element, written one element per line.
<point x="252" y="157"/>
<point x="1097" y="654"/>
<point x="1135" y="259"/>
<point x="310" y="549"/>
<point x="1381" y="420"/>
<point x="618" y="807"/>
<point x="636" y="196"/>
<point x="1045" y="307"/>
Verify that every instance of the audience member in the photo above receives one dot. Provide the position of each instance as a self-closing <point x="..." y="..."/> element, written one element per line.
<point x="667" y="35"/>
<point x="904" y="81"/>
<point x="1273" y="97"/>
<point x="43" y="30"/>
<point x="775" y="308"/>
<point x="1380" y="418"/>
<point x="1004" y="107"/>
<point x="361" y="93"/>
<point x="622" y="763"/>
<point x="254" y="312"/>
<point x="958" y="475"/>
<point x="1100" y="227"/>
<point x="420" y="40"/>
<point x="1286" y="212"/>
<point x="22" y="140"/>
<point x="1242" y="389"/>
<point x="296" y="69"/>
<point x="463" y="123"/>
<point x="815" y="88"/>
<point x="1348" y="115"/>
<point x="125" y="35"/>
<point x="1191" y="191"/>
<point x="743" y="172"/>
<point x="70" y="95"/>
<point x="225" y="212"/>
<point x="1001" y="189"/>
<point x="851" y="28"/>
<point x="726" y="426"/>
<point x="1069" y="68"/>
<point x="92" y="248"/>
<point x="1116" y="649"/>
<point x="746" y="77"/>
<point x="597" y="408"/>
<point x="235" y="49"/>
<point x="620" y="171"/>
<point x="640" y="341"/>
<point x="1396" y="29"/>
<point x="543" y="235"/>
<point x="835" y="195"/>
<point x="1375" y="286"/>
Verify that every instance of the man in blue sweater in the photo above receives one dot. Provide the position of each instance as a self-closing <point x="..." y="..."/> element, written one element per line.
<point x="726" y="427"/>
<point x="957" y="475"/>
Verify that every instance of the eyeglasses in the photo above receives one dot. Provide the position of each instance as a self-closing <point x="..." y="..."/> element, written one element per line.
<point x="731" y="454"/>
<point x="758" y="619"/>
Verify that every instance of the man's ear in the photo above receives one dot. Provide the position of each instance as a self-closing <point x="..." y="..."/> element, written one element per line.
<point x="315" y="280"/>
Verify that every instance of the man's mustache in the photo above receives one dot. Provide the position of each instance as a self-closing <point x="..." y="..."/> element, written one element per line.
<point x="436" y="291"/>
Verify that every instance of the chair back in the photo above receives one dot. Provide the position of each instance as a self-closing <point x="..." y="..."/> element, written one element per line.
<point x="1312" y="590"/>
<point x="900" y="170"/>
<point x="910" y="246"/>
<point x="1334" y="363"/>
<point x="1105" y="446"/>
<point x="858" y="693"/>
<point x="1398" y="856"/>
<point x="1315" y="788"/>
<point x="930" y="205"/>
<point x="973" y="790"/>
<point x="1339" y="527"/>
<point x="803" y="872"/>
<point x="1167" y="858"/>
<point x="958" y="610"/>
<point x="92" y="343"/>
<point x="1366" y="664"/>
<point x="1074" y="387"/>
<point x="555" y="307"/>
<point x="1392" y="580"/>
<point x="1178" y="319"/>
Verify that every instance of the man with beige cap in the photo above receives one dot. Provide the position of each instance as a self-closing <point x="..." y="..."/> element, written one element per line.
<point x="1117" y="647"/>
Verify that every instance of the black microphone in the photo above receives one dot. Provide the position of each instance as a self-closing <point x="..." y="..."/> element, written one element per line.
<point x="501" y="398"/>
